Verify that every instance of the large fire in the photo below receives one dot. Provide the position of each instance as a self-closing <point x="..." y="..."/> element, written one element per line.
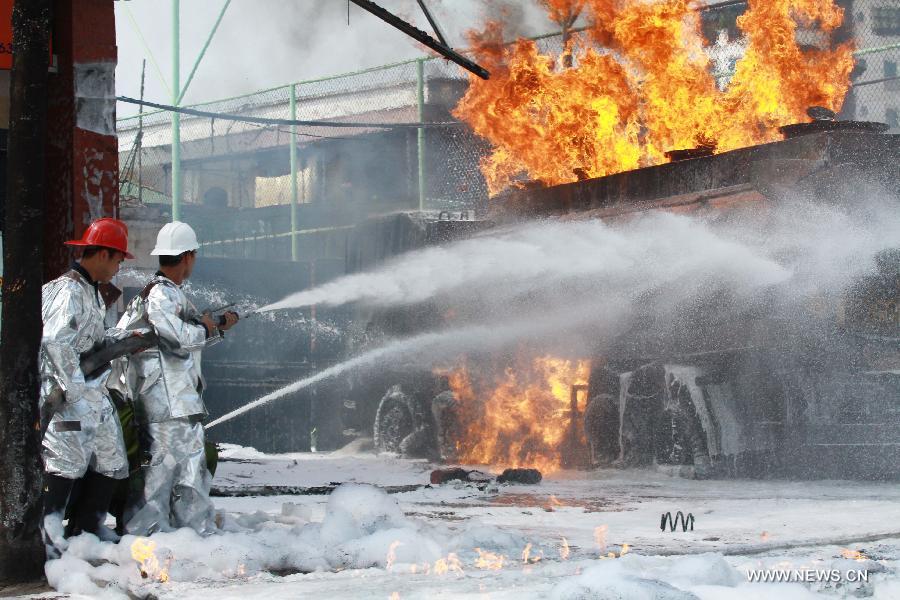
<point x="638" y="83"/>
<point x="522" y="417"/>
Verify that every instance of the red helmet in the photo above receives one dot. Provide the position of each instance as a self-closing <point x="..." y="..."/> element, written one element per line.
<point x="106" y="233"/>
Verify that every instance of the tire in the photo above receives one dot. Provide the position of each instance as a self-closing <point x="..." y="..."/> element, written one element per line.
<point x="393" y="421"/>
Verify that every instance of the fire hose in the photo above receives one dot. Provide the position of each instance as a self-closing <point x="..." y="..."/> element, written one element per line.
<point x="95" y="361"/>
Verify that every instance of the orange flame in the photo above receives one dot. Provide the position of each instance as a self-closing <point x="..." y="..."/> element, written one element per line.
<point x="853" y="555"/>
<point x="143" y="550"/>
<point x="392" y="555"/>
<point x="552" y="503"/>
<point x="641" y="85"/>
<point x="526" y="553"/>
<point x="523" y="417"/>
<point x="600" y="537"/>
<point x="564" y="550"/>
<point x="451" y="564"/>
<point x="529" y="557"/>
<point x="489" y="560"/>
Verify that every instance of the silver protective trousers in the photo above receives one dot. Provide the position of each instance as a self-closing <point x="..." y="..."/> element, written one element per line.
<point x="176" y="481"/>
<point x="83" y="435"/>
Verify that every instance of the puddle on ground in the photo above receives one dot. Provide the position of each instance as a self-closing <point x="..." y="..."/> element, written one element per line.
<point x="552" y="503"/>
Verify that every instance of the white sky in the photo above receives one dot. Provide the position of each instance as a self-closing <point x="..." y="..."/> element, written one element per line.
<point x="265" y="43"/>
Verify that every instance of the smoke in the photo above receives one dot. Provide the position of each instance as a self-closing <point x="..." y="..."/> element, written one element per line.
<point x="519" y="20"/>
<point x="574" y="287"/>
<point x="303" y="40"/>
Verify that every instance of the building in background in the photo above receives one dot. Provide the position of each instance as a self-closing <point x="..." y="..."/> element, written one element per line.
<point x="239" y="178"/>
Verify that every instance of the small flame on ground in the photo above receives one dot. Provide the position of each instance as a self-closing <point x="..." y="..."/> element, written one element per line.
<point x="600" y="537"/>
<point x="395" y="596"/>
<point x="391" y="555"/>
<point x="564" y="550"/>
<point x="853" y="555"/>
<point x="764" y="536"/>
<point x="143" y="550"/>
<point x="622" y="552"/>
<point x="451" y="564"/>
<point x="484" y="560"/>
<point x="489" y="560"/>
<point x="552" y="503"/>
<point x="529" y="557"/>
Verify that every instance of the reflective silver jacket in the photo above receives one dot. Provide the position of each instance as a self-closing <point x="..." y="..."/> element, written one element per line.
<point x="73" y="313"/>
<point x="165" y="382"/>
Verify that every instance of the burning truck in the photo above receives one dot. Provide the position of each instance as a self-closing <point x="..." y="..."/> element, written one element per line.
<point x="715" y="388"/>
<point x="712" y="392"/>
<point x="630" y="118"/>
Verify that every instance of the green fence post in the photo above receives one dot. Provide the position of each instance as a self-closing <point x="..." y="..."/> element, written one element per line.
<point x="203" y="50"/>
<point x="420" y="97"/>
<point x="295" y="239"/>
<point x="176" y="117"/>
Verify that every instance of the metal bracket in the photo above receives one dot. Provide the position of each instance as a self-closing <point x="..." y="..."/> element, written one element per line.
<point x="433" y="22"/>
<point x="422" y="37"/>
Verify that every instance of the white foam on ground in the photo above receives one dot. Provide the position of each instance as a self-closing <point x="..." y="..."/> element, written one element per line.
<point x="361" y="529"/>
<point x="360" y="542"/>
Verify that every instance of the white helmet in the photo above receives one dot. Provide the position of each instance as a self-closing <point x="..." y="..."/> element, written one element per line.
<point x="175" y="238"/>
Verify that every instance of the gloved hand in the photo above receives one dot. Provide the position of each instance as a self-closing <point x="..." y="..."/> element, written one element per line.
<point x="211" y="327"/>
<point x="228" y="320"/>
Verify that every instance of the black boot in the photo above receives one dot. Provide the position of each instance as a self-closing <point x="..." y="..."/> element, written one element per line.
<point x="93" y="507"/>
<point x="72" y="507"/>
<point x="56" y="496"/>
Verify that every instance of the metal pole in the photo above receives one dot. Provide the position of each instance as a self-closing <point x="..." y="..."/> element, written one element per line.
<point x="137" y="30"/>
<point x="141" y="137"/>
<point x="176" y="117"/>
<point x="26" y="203"/>
<point x="295" y="238"/>
<point x="1" y="282"/>
<point x="209" y="38"/>
<point x="865" y="51"/>
<point x="420" y="135"/>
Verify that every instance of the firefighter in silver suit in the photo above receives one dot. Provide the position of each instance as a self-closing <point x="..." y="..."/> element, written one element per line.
<point x="166" y="385"/>
<point x="82" y="437"/>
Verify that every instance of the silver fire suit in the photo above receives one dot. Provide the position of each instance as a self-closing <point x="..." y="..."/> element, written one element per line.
<point x="84" y="430"/>
<point x="166" y="385"/>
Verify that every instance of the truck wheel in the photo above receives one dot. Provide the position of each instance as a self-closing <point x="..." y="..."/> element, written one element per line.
<point x="393" y="421"/>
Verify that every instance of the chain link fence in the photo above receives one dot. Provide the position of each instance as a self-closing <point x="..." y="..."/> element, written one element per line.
<point x="252" y="161"/>
<point x="876" y="80"/>
<point x="342" y="174"/>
